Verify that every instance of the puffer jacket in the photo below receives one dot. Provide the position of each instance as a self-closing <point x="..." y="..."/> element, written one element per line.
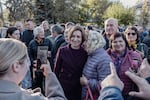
<point x="95" y="70"/>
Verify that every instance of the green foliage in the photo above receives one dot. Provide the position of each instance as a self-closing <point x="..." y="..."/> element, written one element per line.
<point x="78" y="11"/>
<point x="67" y="10"/>
<point x="56" y="10"/>
<point x="43" y="10"/>
<point x="19" y="9"/>
<point x="94" y="9"/>
<point x="144" y="14"/>
<point x="124" y="15"/>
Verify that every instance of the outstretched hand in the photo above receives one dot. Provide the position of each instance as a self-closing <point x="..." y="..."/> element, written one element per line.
<point x="144" y="69"/>
<point x="144" y="87"/>
<point x="112" y="79"/>
<point x="46" y="68"/>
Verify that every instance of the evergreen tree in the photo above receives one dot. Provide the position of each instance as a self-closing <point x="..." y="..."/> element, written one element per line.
<point x="43" y="11"/>
<point x="93" y="10"/>
<point x="66" y="10"/>
<point x="124" y="15"/>
<point x="19" y="9"/>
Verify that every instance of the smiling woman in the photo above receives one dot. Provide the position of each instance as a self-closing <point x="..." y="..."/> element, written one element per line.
<point x="133" y="38"/>
<point x="124" y="59"/>
<point x="69" y="63"/>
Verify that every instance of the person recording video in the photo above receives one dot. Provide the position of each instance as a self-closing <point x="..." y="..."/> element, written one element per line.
<point x="13" y="68"/>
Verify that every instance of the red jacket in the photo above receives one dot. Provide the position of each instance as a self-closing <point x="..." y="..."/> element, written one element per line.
<point x="127" y="62"/>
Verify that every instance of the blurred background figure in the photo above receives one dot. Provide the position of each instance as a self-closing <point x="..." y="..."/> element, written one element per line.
<point x="66" y="33"/>
<point x="28" y="33"/>
<point x="133" y="39"/>
<point x="13" y="32"/>
<point x="59" y="40"/>
<point x="46" y="28"/>
<point x="63" y="27"/>
<point x="111" y="27"/>
<point x="69" y="24"/>
<point x="142" y="33"/>
<point x="3" y="31"/>
<point x="19" y="25"/>
<point x="146" y="40"/>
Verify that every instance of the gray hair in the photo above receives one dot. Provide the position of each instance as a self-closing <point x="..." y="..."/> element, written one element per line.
<point x="95" y="40"/>
<point x="57" y="29"/>
<point x="37" y="30"/>
<point x="112" y="19"/>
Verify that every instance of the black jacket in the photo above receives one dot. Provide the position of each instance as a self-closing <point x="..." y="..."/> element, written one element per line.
<point x="27" y="37"/>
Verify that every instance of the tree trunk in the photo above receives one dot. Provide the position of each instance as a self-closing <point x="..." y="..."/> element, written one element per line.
<point x="1" y="13"/>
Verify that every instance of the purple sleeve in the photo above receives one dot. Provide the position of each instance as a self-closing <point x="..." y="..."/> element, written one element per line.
<point x="58" y="63"/>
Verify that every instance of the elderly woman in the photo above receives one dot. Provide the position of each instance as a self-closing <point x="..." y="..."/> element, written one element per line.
<point x="133" y="38"/>
<point x="13" y="32"/>
<point x="69" y="63"/>
<point x="38" y="41"/>
<point x="13" y="69"/>
<point x="124" y="59"/>
<point x="97" y="65"/>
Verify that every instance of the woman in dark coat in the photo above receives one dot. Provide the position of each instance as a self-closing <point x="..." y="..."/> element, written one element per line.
<point x="69" y="64"/>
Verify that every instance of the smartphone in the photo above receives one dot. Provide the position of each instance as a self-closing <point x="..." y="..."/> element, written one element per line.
<point x="41" y="56"/>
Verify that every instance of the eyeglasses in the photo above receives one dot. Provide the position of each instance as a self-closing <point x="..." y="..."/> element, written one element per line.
<point x="131" y="33"/>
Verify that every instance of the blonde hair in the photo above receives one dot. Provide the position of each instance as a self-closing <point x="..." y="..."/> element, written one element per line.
<point x="94" y="40"/>
<point x="11" y="51"/>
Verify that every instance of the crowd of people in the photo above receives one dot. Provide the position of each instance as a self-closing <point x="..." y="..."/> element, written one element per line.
<point x="68" y="61"/>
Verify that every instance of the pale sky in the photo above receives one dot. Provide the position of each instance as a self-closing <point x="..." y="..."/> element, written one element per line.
<point x="127" y="3"/>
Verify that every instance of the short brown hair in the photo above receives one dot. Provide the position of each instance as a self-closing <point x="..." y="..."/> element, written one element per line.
<point x="117" y="35"/>
<point x="77" y="28"/>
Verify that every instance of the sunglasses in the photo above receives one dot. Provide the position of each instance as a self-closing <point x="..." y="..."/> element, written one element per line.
<point x="131" y="33"/>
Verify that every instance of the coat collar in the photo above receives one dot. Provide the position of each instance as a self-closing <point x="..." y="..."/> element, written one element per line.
<point x="58" y="36"/>
<point x="8" y="86"/>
